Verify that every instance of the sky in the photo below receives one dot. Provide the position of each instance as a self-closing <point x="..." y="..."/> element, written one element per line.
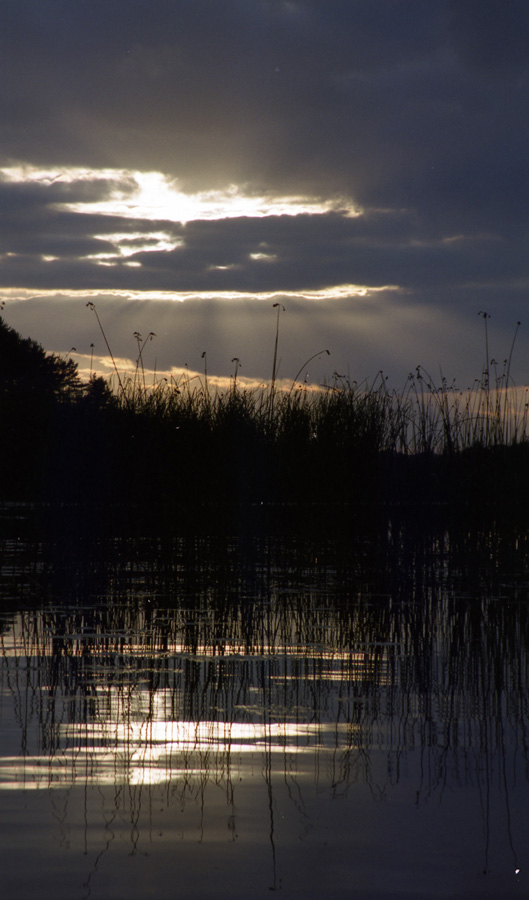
<point x="187" y="166"/>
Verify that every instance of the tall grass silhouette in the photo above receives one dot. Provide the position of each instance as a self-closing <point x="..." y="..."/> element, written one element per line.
<point x="182" y="439"/>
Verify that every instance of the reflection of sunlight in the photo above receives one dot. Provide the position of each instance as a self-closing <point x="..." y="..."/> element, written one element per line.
<point x="135" y="734"/>
<point x="158" y="752"/>
<point x="14" y="643"/>
<point x="119" y="728"/>
<point x="195" y="735"/>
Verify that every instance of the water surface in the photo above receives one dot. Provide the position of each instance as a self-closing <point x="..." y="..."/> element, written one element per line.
<point x="223" y="717"/>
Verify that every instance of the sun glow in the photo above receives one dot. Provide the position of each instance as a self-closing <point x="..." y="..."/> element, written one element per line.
<point x="157" y="197"/>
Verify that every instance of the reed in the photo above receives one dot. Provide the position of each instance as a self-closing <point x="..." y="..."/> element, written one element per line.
<point x="181" y="439"/>
<point x="92" y="307"/>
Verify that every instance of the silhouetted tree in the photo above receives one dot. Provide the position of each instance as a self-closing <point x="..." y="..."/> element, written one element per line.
<point x="98" y="394"/>
<point x="38" y="391"/>
<point x="25" y="367"/>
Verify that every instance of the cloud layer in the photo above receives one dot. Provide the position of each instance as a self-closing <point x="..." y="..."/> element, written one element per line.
<point x="376" y="150"/>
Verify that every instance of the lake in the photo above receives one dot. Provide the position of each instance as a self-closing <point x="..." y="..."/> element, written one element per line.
<point x="338" y="715"/>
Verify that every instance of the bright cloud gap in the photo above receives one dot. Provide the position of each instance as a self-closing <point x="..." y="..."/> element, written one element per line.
<point x="331" y="292"/>
<point x="155" y="196"/>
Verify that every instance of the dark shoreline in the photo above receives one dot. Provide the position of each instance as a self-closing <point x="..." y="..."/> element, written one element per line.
<point x="314" y="520"/>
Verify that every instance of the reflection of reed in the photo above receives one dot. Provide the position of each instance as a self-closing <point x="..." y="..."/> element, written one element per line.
<point x="175" y="673"/>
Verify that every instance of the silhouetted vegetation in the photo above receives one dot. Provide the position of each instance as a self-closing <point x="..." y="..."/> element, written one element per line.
<point x="180" y="445"/>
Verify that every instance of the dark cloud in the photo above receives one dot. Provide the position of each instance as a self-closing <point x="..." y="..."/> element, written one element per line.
<point x="491" y="35"/>
<point x="386" y="102"/>
<point x="266" y="92"/>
